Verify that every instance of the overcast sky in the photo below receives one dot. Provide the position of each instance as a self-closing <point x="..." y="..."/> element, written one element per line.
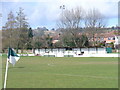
<point x="45" y="13"/>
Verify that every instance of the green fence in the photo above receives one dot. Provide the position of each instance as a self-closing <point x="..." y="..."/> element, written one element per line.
<point x="109" y="50"/>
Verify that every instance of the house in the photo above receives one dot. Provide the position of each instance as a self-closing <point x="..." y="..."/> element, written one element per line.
<point x="117" y="41"/>
<point x="110" y="39"/>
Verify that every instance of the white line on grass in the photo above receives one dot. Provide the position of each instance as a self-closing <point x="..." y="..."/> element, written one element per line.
<point x="88" y="76"/>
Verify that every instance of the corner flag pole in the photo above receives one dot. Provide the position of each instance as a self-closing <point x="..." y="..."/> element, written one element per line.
<point x="6" y="74"/>
<point x="12" y="58"/>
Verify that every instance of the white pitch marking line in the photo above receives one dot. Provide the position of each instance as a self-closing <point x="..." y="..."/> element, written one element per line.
<point x="88" y="76"/>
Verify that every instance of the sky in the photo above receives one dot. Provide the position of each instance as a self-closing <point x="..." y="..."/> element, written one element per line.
<point x="45" y="13"/>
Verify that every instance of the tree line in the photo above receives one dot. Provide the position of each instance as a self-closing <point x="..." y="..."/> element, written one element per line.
<point x="18" y="34"/>
<point x="72" y="20"/>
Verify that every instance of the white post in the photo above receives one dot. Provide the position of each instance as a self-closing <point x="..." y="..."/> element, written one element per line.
<point x="6" y="75"/>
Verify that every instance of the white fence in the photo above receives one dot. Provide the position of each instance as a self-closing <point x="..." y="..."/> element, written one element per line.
<point x="75" y="52"/>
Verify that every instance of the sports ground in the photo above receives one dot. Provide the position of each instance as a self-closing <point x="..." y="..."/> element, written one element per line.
<point x="64" y="72"/>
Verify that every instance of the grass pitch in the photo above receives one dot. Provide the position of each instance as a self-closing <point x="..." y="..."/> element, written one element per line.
<point x="69" y="72"/>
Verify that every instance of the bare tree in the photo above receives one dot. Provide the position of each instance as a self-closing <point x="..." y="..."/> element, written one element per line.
<point x="71" y="18"/>
<point x="70" y="22"/>
<point x="22" y="31"/>
<point x="15" y="32"/>
<point x="94" y="21"/>
<point x="10" y="27"/>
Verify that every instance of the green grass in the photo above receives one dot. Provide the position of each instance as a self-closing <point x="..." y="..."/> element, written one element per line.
<point x="67" y="72"/>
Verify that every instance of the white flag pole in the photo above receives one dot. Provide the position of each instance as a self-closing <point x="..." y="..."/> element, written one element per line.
<point x="5" y="81"/>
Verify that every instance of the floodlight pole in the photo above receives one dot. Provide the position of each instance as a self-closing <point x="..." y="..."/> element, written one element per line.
<point x="5" y="81"/>
<point x="62" y="8"/>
